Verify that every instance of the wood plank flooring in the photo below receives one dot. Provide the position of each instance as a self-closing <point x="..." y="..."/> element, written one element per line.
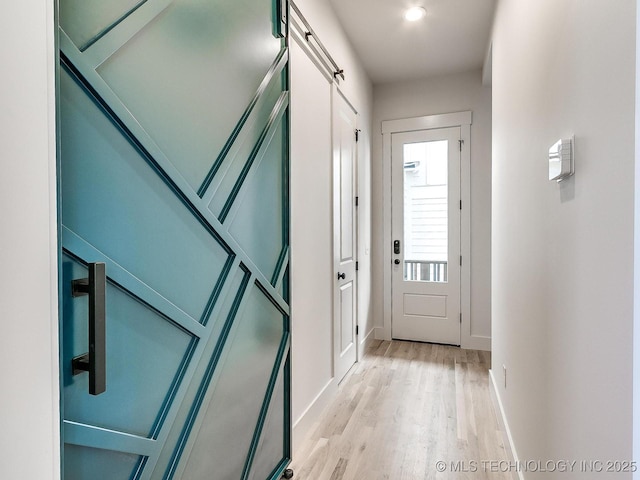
<point x="405" y="407"/>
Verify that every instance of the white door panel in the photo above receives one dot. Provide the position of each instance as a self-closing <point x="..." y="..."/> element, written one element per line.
<point x="347" y="339"/>
<point x="344" y="188"/>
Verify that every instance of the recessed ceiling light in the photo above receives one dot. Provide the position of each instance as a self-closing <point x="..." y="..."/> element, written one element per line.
<point x="414" y="14"/>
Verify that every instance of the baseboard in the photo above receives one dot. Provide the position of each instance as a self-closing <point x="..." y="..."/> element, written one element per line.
<point x="303" y="426"/>
<point x="509" y="447"/>
<point x="473" y="342"/>
<point x="470" y="342"/>
<point x="365" y="343"/>
<point x="380" y="333"/>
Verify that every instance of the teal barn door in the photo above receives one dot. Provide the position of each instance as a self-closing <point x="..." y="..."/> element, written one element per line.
<point x="173" y="194"/>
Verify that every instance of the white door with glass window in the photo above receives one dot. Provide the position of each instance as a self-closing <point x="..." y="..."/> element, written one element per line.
<point x="426" y="235"/>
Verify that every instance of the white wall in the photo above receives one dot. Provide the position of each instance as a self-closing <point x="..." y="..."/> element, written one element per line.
<point x="29" y="436"/>
<point x="452" y="93"/>
<point x="313" y="384"/>
<point x="311" y="239"/>
<point x="562" y="256"/>
<point x="636" y="264"/>
<point x="357" y="88"/>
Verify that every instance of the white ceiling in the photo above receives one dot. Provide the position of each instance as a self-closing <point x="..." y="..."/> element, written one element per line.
<point x="452" y="38"/>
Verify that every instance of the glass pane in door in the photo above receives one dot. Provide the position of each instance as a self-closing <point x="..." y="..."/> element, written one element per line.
<point x="426" y="211"/>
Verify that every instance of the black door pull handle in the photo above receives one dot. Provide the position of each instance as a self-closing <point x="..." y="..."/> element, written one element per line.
<point x="94" y="361"/>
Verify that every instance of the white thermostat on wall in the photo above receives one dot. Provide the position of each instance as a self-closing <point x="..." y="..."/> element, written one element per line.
<point x="561" y="160"/>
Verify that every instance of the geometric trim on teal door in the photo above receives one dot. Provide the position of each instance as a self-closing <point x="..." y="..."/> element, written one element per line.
<point x="184" y="197"/>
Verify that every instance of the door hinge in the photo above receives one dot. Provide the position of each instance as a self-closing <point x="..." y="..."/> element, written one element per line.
<point x="460" y="204"/>
<point x="460" y="260"/>
<point x="460" y="317"/>
<point x="357" y="329"/>
<point x="357" y="200"/>
<point x="356" y="266"/>
<point x="460" y="143"/>
<point x="357" y="134"/>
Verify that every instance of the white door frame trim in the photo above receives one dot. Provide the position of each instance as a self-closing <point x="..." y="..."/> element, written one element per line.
<point x="389" y="127"/>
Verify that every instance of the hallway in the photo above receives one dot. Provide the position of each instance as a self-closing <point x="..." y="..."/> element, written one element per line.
<point x="402" y="409"/>
<point x="565" y="329"/>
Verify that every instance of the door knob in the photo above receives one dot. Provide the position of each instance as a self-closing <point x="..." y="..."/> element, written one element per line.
<point x="341" y="276"/>
<point x="396" y="261"/>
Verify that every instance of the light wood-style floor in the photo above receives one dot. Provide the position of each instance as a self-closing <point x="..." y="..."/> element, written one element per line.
<point x="405" y="407"/>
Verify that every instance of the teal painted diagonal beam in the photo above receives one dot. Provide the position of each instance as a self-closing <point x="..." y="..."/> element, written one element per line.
<point x="90" y="436"/>
<point x="281" y="269"/>
<point x="208" y="380"/>
<point x="208" y="351"/>
<point x="257" y="154"/>
<point x="278" y="368"/>
<point x="249" y="117"/>
<point x="73" y="243"/>
<point x="101" y="48"/>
